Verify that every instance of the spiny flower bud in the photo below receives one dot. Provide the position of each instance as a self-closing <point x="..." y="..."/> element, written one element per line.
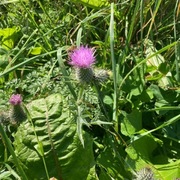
<point x="101" y="75"/>
<point x="145" y="174"/>
<point x="17" y="113"/>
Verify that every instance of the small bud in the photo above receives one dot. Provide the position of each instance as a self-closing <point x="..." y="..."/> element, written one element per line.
<point x="145" y="174"/>
<point x="15" y="99"/>
<point x="17" y="113"/>
<point x="101" y="75"/>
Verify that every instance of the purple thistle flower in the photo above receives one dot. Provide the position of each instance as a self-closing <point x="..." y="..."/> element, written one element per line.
<point x="82" y="57"/>
<point x="15" y="99"/>
<point x="17" y="113"/>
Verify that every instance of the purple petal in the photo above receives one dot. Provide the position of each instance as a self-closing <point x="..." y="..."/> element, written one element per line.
<point x="15" y="99"/>
<point x="82" y="57"/>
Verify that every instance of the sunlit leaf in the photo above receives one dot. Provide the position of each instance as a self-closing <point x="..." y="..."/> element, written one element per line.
<point x="93" y="3"/>
<point x="36" y="50"/>
<point x="9" y="35"/>
<point x="57" y="141"/>
<point x="168" y="171"/>
<point x="157" y="64"/>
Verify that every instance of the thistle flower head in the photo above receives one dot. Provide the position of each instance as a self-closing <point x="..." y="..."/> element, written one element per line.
<point x="82" y="57"/>
<point x="17" y="113"/>
<point x="15" y="99"/>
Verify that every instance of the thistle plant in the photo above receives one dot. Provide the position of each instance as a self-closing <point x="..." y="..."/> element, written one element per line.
<point x="17" y="113"/>
<point x="83" y="59"/>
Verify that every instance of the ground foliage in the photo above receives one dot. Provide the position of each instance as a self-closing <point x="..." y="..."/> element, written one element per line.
<point x="125" y="128"/>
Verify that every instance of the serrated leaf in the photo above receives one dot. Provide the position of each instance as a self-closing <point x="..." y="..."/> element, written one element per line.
<point x="63" y="152"/>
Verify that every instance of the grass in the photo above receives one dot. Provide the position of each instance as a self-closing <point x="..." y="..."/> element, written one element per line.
<point x="113" y="130"/>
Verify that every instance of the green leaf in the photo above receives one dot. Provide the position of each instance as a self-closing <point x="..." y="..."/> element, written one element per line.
<point x="92" y="174"/>
<point x="93" y="3"/>
<point x="108" y="100"/>
<point x="4" y="61"/>
<point x="140" y="152"/>
<point x="168" y="171"/>
<point x="36" y="50"/>
<point x="5" y="175"/>
<point x="164" y="68"/>
<point x="110" y="162"/>
<point x="53" y="137"/>
<point x="131" y="123"/>
<point x="9" y="35"/>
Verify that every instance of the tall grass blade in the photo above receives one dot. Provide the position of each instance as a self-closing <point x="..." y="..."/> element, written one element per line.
<point x="26" y="62"/>
<point x="153" y="16"/>
<point x="78" y="38"/>
<point x="167" y="123"/>
<point x="113" y="65"/>
<point x="177" y="46"/>
<point x="39" y="146"/>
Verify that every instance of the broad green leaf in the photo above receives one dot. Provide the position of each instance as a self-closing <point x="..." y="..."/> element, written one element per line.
<point x="104" y="175"/>
<point x="170" y="171"/>
<point x="140" y="152"/>
<point x="54" y="137"/>
<point x="93" y="3"/>
<point x="156" y="91"/>
<point x="9" y="35"/>
<point x="131" y="123"/>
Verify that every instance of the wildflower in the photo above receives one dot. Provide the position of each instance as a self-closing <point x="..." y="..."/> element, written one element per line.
<point x="82" y="57"/>
<point x="15" y="99"/>
<point x="17" y="113"/>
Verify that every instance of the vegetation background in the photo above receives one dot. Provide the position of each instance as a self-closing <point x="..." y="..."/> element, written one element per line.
<point x="125" y="128"/>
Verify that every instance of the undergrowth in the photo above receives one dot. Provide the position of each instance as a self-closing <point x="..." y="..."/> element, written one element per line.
<point x="125" y="127"/>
